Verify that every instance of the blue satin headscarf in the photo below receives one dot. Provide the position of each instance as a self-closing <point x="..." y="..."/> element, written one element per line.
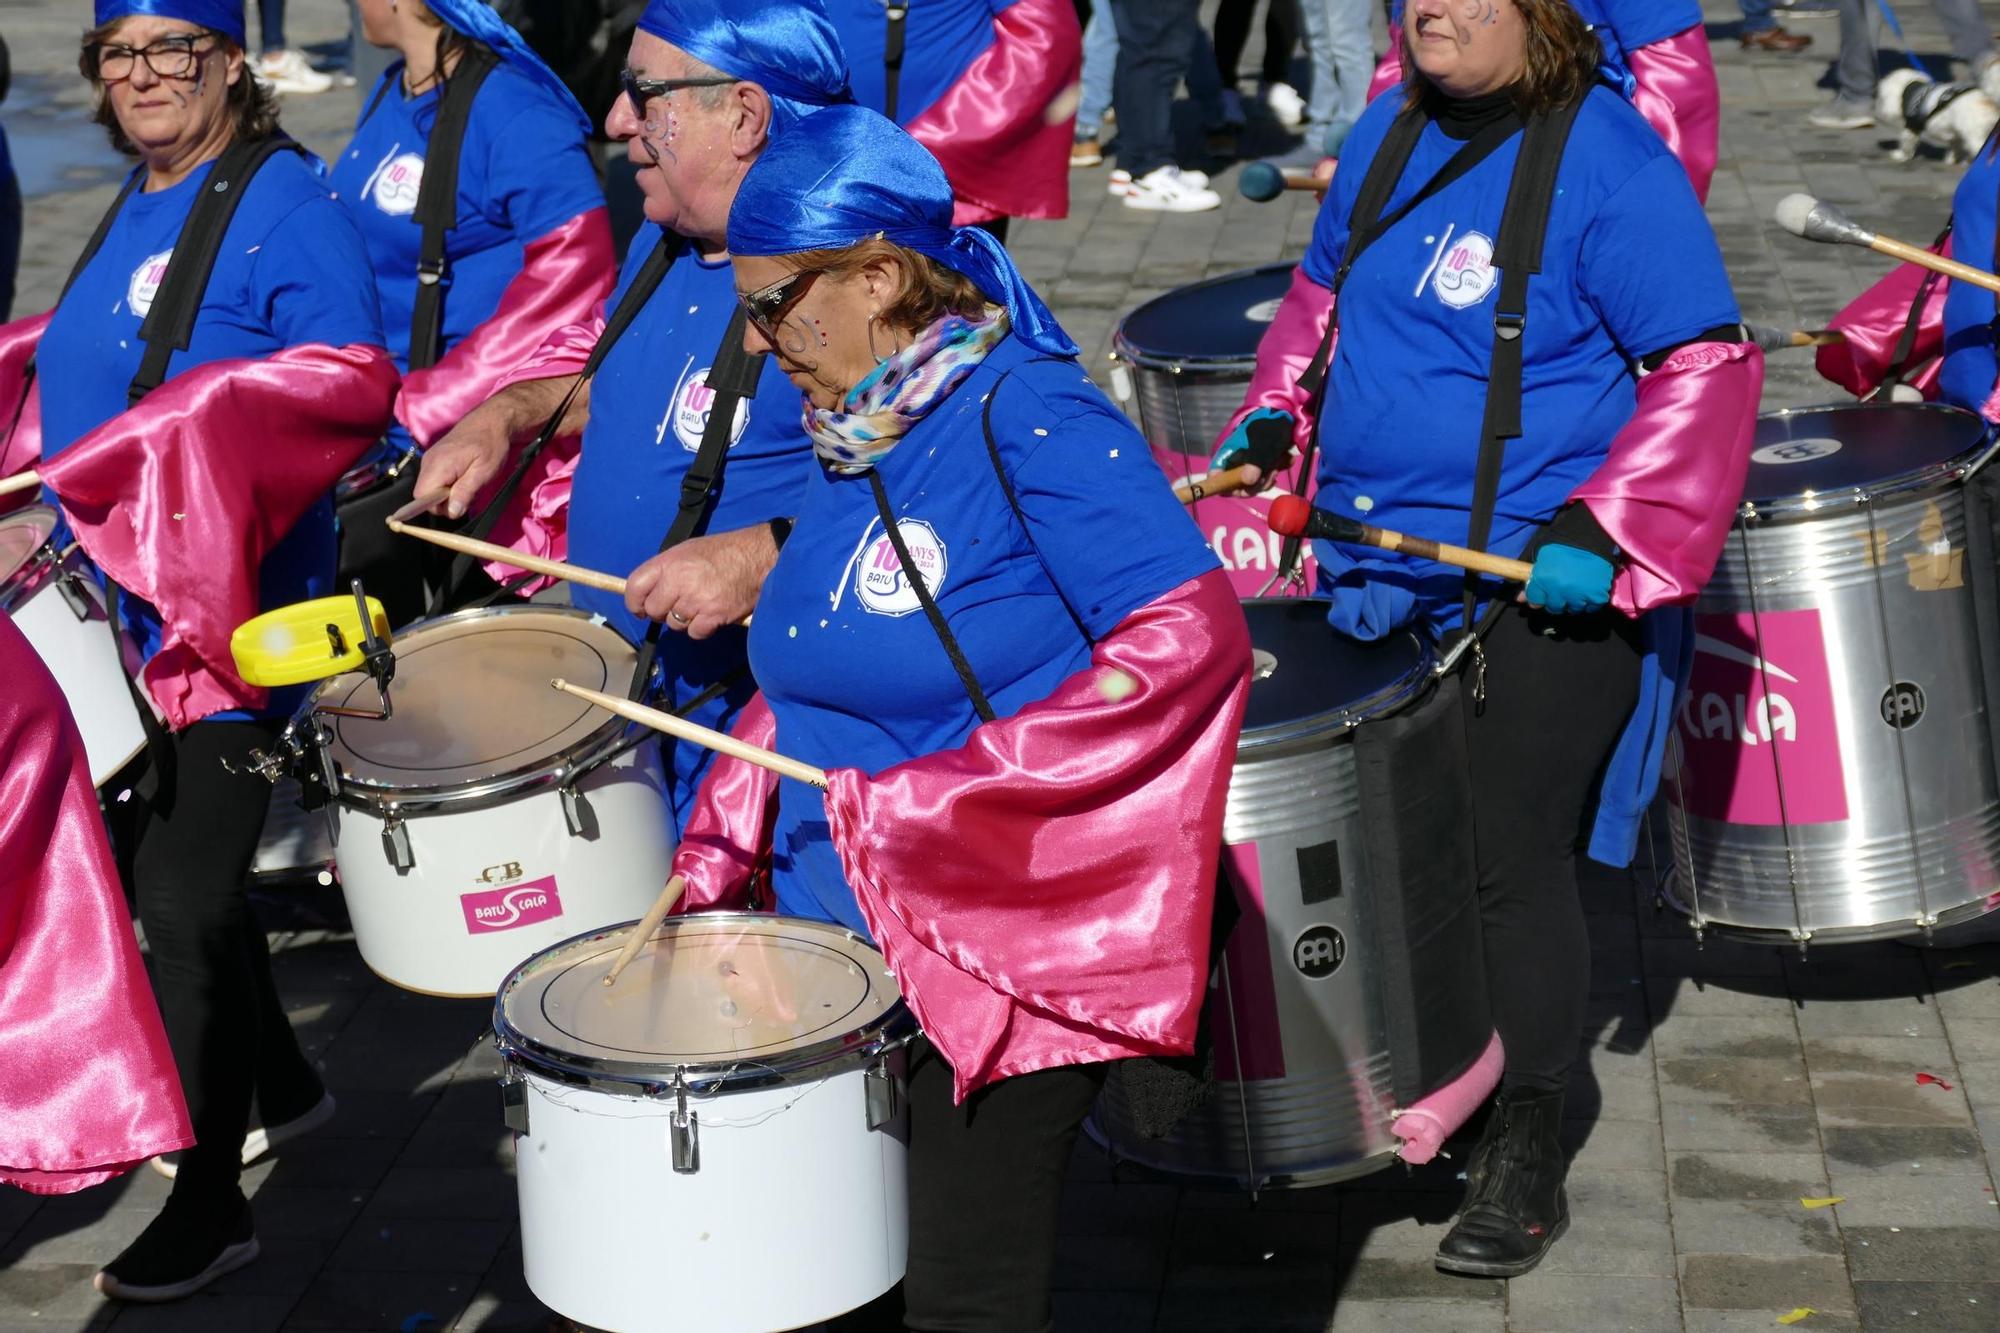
<point x="476" y="19"/>
<point x="223" y="16"/>
<point x="847" y="174"/>
<point x="786" y="47"/>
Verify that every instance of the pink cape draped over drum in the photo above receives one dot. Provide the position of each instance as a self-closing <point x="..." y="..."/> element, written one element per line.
<point x="179" y="499"/>
<point x="20" y="403"/>
<point x="1002" y="131"/>
<point x="1043" y="892"/>
<point x="88" y="1088"/>
<point x="1873" y="323"/>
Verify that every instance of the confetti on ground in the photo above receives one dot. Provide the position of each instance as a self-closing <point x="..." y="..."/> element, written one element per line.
<point x="1826" y="1202"/>
<point x="1797" y="1315"/>
<point x="1923" y="1079"/>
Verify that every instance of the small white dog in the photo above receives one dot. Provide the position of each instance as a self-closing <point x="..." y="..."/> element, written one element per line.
<point x="1954" y="117"/>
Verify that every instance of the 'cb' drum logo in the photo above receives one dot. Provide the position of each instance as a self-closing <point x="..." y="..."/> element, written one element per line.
<point x="880" y="582"/>
<point x="145" y="284"/>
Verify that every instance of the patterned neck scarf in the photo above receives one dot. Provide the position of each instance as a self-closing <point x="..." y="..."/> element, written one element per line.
<point x="901" y="391"/>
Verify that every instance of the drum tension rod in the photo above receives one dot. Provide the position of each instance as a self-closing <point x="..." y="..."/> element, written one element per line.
<point x="684" y="1132"/>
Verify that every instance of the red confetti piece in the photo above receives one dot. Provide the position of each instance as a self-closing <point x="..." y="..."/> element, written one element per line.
<point x="1933" y="1078"/>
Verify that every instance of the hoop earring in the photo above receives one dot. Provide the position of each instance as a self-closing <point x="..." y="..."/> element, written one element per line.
<point x="879" y="358"/>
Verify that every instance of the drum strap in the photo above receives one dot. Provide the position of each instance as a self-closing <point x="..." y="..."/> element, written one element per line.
<point x="437" y="202"/>
<point x="1906" y="344"/>
<point x="895" y="12"/>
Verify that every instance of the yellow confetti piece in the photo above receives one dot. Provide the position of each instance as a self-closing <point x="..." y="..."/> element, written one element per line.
<point x="1797" y="1315"/>
<point x="1827" y="1202"/>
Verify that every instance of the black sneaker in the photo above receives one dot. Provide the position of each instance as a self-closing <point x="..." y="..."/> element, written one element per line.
<point x="184" y="1249"/>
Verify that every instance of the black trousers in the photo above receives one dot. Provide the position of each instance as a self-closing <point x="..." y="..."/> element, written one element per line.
<point x="192" y="845"/>
<point x="1153" y="55"/>
<point x="1232" y="31"/>
<point x="1559" y="690"/>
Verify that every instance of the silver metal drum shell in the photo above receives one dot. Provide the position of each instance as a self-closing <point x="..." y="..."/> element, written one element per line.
<point x="1182" y="409"/>
<point x="1922" y="839"/>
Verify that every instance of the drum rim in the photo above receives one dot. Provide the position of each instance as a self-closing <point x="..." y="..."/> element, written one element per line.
<point x="1806" y="504"/>
<point x="896" y="1027"/>
<point x="561" y="767"/>
<point x="1124" y="349"/>
<point x="32" y="574"/>
<point x="1389" y="699"/>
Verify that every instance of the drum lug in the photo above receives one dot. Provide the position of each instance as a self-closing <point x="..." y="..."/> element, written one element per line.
<point x="883" y="1095"/>
<point x="577" y="812"/>
<point x="684" y="1135"/>
<point x="514" y="1104"/>
<point x="396" y="842"/>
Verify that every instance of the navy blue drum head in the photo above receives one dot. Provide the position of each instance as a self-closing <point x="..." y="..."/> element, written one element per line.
<point x="1220" y="320"/>
<point x="1817" y="450"/>
<point x="1308" y="673"/>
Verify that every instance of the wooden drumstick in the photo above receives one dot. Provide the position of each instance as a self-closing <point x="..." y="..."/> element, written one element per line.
<point x="1815" y="338"/>
<point x="694" y="731"/>
<point x="1291" y="516"/>
<point x="507" y="555"/>
<point x="21" y="481"/>
<point x="647" y="925"/>
<point x="1227" y="481"/>
<point x="1816" y="220"/>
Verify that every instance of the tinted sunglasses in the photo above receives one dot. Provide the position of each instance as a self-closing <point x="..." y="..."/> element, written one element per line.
<point x="641" y="91"/>
<point x="767" y="306"/>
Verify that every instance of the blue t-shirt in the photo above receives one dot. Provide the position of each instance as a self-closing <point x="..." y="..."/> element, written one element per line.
<point x="1629" y="268"/>
<point x="291" y="270"/>
<point x="850" y="665"/>
<point x="1636" y="23"/>
<point x="649" y="405"/>
<point x="1970" y="369"/>
<point x="941" y="39"/>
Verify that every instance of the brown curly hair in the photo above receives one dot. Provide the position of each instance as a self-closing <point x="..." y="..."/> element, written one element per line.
<point x="930" y="290"/>
<point x="1562" y="59"/>
<point x="252" y="106"/>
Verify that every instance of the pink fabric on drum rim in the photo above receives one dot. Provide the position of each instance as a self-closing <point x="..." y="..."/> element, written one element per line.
<point x="88" y="1088"/>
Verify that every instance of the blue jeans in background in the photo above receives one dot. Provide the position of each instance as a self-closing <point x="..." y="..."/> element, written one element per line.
<point x="1100" y="63"/>
<point x="1342" y="50"/>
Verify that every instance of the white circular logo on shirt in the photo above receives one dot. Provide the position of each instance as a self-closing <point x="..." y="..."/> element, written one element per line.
<point x="145" y="284"/>
<point x="880" y="582"/>
<point x="398" y="184"/>
<point x="692" y="404"/>
<point x="1796" y="451"/>
<point x="1465" y="272"/>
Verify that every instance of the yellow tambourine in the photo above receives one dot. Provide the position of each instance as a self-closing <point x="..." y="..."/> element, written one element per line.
<point x="307" y="641"/>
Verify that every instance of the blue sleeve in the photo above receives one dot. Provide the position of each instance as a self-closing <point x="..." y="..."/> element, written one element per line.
<point x="312" y="279"/>
<point x="1099" y="511"/>
<point x="1640" y="23"/>
<point x="539" y="172"/>
<point x="1650" y="266"/>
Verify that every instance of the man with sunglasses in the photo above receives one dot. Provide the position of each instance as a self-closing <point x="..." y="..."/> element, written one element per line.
<point x="707" y="84"/>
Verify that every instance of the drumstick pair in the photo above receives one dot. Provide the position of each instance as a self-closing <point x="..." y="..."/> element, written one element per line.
<point x="20" y="481"/>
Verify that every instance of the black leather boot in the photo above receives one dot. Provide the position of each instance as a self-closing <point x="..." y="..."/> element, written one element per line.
<point x="1514" y="1203"/>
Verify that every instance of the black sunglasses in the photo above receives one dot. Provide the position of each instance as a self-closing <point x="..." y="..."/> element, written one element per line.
<point x="767" y="306"/>
<point x="641" y="91"/>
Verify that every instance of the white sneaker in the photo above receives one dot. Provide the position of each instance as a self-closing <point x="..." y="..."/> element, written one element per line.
<point x="287" y="72"/>
<point x="1119" y="183"/>
<point x="1170" y="190"/>
<point x="261" y="1138"/>
<point x="1286" y="104"/>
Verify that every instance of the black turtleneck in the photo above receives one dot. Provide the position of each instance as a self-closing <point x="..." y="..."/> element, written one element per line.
<point x="1462" y="117"/>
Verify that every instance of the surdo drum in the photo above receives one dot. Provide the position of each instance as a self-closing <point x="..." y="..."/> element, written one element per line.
<point x="55" y="599"/>
<point x="1183" y="360"/>
<point x="1352" y="983"/>
<point x="1833" y="765"/>
<point x="490" y="815"/>
<point x="716" y="1142"/>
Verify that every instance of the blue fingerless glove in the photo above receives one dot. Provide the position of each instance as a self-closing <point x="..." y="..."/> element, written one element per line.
<point x="1569" y="582"/>
<point x="1264" y="438"/>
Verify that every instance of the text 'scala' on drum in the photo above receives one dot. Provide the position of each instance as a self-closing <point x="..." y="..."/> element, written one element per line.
<point x="1832" y="775"/>
<point x="718" y="1141"/>
<point x="54" y="598"/>
<point x="491" y="815"/>
<point x="1352" y="984"/>
<point x="1186" y="358"/>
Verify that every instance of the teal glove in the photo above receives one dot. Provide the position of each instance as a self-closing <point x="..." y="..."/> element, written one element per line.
<point x="1569" y="582"/>
<point x="1263" y="438"/>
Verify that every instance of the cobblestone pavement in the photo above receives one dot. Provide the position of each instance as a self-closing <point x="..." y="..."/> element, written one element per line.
<point x="1721" y="1084"/>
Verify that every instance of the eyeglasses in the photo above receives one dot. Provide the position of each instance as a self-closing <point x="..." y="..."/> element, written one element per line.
<point x="168" y="58"/>
<point x="767" y="306"/>
<point x="641" y="91"/>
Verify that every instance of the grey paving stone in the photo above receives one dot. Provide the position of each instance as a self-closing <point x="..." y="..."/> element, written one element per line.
<point x="1755" y="1282"/>
<point x="1887" y="1099"/>
<point x="1929" y="1307"/>
<point x="1696" y="997"/>
<point x="1722" y="1175"/>
<point x="210" y="1311"/>
<point x="56" y="1235"/>
<point x="362" y="1299"/>
<point x="1898" y="1017"/>
<point x="1770" y="1034"/>
<point x="1350" y="1316"/>
<point x="457" y="1245"/>
<point x="1923" y="1254"/>
<point x="305" y="1212"/>
<point x="1900" y="1150"/>
<point x="442" y="1192"/>
<point x="1377" y="1226"/>
<point x="1253" y="1238"/>
<point x="1396" y="1278"/>
<point x="1613" y="1145"/>
<point x="1724" y="1080"/>
<point x="489" y="1314"/>
<point x="1720" y="1127"/>
<point x="1763" y="1321"/>
<point x="1753" y="1226"/>
<point x="58" y="1292"/>
<point x="1546" y="1302"/>
<point x="1618" y="1226"/>
<point x="1713" y="957"/>
<point x="1918" y="1200"/>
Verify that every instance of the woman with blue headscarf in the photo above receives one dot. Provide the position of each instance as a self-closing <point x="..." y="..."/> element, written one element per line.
<point x="523" y="249"/>
<point x="1023" y="669"/>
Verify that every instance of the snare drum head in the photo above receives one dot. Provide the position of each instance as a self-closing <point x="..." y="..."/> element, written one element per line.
<point x="1812" y="451"/>
<point x="1220" y="320"/>
<point x="21" y="535"/>
<point x="1307" y="676"/>
<point x="711" y="991"/>
<point x="472" y="698"/>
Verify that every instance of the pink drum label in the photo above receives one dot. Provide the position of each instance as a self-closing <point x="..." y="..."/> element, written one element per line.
<point x="1757" y="725"/>
<point x="1236" y="531"/>
<point x="511" y="907"/>
<point x="1248" y="1044"/>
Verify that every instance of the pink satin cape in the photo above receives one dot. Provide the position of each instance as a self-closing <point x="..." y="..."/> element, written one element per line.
<point x="88" y="1088"/>
<point x="1668" y="488"/>
<point x="1043" y="892"/>
<point x="1873" y="323"/>
<point x="180" y="498"/>
<point x="728" y="833"/>
<point x="1002" y="132"/>
<point x="20" y="402"/>
<point x="1283" y="354"/>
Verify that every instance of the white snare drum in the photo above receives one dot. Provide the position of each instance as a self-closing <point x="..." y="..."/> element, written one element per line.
<point x="51" y="595"/>
<point x="491" y="815"/>
<point x="716" y="1142"/>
